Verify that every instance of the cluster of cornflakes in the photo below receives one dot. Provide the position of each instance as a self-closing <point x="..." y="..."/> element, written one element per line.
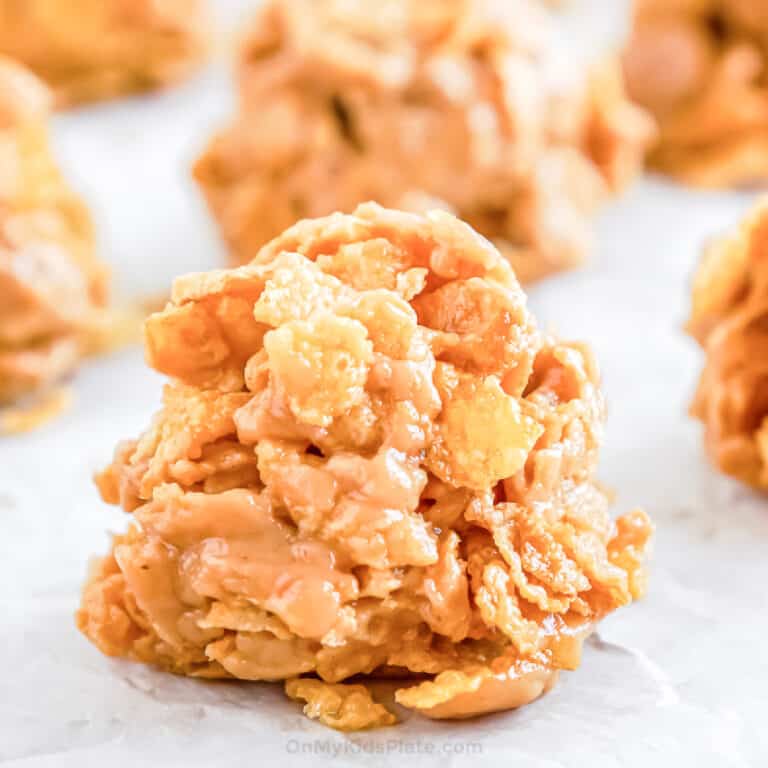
<point x="368" y="462"/>
<point x="700" y="66"/>
<point x="729" y="318"/>
<point x="464" y="106"/>
<point x="50" y="280"/>
<point x="94" y="49"/>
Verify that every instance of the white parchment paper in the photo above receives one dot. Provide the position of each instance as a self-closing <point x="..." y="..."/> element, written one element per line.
<point x="676" y="680"/>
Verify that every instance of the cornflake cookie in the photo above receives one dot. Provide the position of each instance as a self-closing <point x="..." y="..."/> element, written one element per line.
<point x="50" y="281"/>
<point x="728" y="318"/>
<point x="465" y="105"/>
<point x="700" y="67"/>
<point x="97" y="49"/>
<point x="367" y="462"/>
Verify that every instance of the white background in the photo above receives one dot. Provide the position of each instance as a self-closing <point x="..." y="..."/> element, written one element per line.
<point x="678" y="679"/>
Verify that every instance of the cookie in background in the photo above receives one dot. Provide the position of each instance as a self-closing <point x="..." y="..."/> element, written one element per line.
<point x="51" y="283"/>
<point x="701" y="68"/>
<point x="729" y="318"/>
<point x="468" y="106"/>
<point x="88" y="50"/>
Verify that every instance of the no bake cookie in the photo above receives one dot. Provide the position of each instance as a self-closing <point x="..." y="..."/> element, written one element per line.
<point x="729" y="318"/>
<point x="96" y="49"/>
<point x="467" y="105"/>
<point x="700" y="67"/>
<point x="51" y="283"/>
<point x="368" y="462"/>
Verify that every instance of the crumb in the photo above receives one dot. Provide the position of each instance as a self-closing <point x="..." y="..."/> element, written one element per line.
<point x="464" y="106"/>
<point x="344" y="707"/>
<point x="368" y="461"/>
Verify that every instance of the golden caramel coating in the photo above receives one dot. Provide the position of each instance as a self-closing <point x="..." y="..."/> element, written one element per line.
<point x="464" y="105"/>
<point x="700" y="67"/>
<point x="368" y="461"/>
<point x="96" y="49"/>
<point x="728" y="318"/>
<point x="50" y="280"/>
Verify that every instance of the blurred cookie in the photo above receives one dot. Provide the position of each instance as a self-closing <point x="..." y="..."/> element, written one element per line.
<point x="464" y="105"/>
<point x="50" y="281"/>
<point x="729" y="318"/>
<point x="97" y="49"/>
<point x="700" y="66"/>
